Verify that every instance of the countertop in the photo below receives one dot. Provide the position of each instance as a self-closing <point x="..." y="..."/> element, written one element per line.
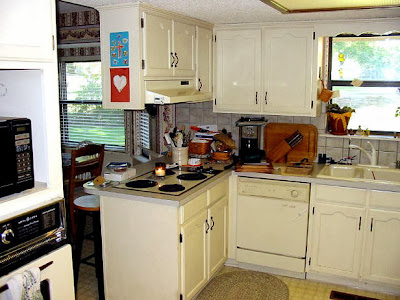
<point x="111" y="191"/>
<point x="312" y="178"/>
<point x="276" y="174"/>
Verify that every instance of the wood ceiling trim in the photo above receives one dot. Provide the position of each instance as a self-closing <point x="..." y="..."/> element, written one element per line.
<point x="284" y="10"/>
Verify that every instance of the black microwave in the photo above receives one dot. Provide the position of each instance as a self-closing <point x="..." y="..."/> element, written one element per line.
<point x="16" y="169"/>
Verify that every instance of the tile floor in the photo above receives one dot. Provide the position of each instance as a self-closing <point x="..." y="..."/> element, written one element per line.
<point x="299" y="289"/>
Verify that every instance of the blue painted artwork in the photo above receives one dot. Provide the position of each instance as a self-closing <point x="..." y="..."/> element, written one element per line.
<point x="119" y="49"/>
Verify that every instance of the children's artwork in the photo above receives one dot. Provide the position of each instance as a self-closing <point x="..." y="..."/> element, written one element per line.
<point x="119" y="84"/>
<point x="119" y="49"/>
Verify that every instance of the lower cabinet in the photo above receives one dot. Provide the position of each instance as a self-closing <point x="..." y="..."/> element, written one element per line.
<point x="203" y="241"/>
<point x="337" y="239"/>
<point x="355" y="233"/>
<point x="382" y="247"/>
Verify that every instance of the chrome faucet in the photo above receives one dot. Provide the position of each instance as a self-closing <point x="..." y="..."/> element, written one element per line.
<point x="372" y="156"/>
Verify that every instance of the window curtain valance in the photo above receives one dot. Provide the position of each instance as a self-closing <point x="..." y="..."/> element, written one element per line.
<point x="78" y="36"/>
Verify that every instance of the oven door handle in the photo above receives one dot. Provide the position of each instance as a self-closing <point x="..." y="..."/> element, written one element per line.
<point x="4" y="288"/>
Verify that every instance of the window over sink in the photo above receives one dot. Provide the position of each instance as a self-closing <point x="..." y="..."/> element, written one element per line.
<point x="374" y="60"/>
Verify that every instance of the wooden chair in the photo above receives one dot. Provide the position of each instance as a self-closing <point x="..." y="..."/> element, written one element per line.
<point x="86" y="165"/>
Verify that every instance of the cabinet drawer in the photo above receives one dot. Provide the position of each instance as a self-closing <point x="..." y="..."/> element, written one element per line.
<point x="385" y="199"/>
<point x="218" y="192"/>
<point x="340" y="194"/>
<point x="193" y="207"/>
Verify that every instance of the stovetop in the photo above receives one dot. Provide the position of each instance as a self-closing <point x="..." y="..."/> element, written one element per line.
<point x="176" y="182"/>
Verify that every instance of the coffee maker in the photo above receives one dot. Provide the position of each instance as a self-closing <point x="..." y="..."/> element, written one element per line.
<point x="250" y="137"/>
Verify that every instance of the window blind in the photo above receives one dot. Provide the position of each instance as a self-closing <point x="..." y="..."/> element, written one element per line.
<point x="81" y="114"/>
<point x="144" y="129"/>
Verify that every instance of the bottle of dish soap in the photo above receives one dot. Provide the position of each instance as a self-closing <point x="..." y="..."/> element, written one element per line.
<point x="359" y="131"/>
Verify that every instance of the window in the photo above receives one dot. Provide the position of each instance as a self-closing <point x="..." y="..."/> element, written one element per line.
<point x="376" y="62"/>
<point x="82" y="116"/>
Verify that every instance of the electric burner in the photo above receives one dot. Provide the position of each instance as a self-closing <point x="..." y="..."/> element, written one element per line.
<point x="167" y="172"/>
<point x="192" y="176"/>
<point x="171" y="188"/>
<point x="141" y="184"/>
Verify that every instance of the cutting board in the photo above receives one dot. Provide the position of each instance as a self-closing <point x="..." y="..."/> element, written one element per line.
<point x="274" y="133"/>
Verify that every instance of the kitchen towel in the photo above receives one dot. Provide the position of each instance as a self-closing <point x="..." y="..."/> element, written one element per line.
<point x="25" y="286"/>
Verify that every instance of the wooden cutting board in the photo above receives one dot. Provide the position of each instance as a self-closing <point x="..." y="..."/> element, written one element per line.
<point x="274" y="133"/>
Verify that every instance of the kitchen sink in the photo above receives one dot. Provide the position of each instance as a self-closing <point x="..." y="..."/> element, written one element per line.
<point x="361" y="173"/>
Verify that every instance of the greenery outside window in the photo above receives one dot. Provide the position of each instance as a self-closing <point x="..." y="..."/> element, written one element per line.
<point x="375" y="61"/>
<point x="81" y="112"/>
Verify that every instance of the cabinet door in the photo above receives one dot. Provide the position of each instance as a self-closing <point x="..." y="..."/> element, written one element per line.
<point x="382" y="247"/>
<point x="238" y="64"/>
<point x="287" y="61"/>
<point x="204" y="60"/>
<point x="217" y="237"/>
<point x="27" y="30"/>
<point x="184" y="49"/>
<point x="157" y="46"/>
<point x="337" y="240"/>
<point x="194" y="255"/>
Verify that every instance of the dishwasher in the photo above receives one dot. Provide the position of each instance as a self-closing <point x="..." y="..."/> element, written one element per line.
<point x="272" y="220"/>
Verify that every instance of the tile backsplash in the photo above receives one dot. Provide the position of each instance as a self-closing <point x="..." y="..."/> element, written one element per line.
<point x="189" y="114"/>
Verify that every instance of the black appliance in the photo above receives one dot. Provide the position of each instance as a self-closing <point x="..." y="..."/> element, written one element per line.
<point x="28" y="236"/>
<point x="16" y="155"/>
<point x="250" y="137"/>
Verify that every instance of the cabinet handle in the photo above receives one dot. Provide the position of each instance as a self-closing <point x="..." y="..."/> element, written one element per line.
<point x="177" y="59"/>
<point x="359" y="224"/>
<point x="173" y="59"/>
<point x="256" y="97"/>
<point x="372" y="223"/>
<point x="266" y="101"/>
<point x="213" y="223"/>
<point x="208" y="226"/>
<point x="200" y="85"/>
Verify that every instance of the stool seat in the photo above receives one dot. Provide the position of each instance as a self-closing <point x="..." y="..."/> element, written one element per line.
<point x="87" y="203"/>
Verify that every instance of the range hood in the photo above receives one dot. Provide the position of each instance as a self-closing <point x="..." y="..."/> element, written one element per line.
<point x="173" y="91"/>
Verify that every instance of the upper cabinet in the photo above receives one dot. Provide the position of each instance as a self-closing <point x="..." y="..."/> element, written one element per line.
<point x="238" y="77"/>
<point x="155" y="45"/>
<point x="169" y="46"/>
<point x="284" y="87"/>
<point x="27" y="30"/>
<point x="204" y="61"/>
<point x="287" y="60"/>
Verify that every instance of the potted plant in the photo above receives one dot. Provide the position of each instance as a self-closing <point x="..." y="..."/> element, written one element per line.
<point x="338" y="118"/>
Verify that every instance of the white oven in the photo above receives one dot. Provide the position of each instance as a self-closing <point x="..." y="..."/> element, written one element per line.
<point x="35" y="242"/>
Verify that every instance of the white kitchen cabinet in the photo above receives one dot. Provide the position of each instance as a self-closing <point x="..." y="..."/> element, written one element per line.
<point x="204" y="239"/>
<point x="162" y="47"/>
<point x="381" y="261"/>
<point x="355" y="233"/>
<point x="283" y="87"/>
<point x="382" y="247"/>
<point x="158" y="51"/>
<point x="217" y="237"/>
<point x="162" y="249"/>
<point x="204" y="64"/>
<point x="194" y="254"/>
<point x="27" y="30"/>
<point x="337" y="239"/>
<point x="238" y="71"/>
<point x="287" y="60"/>
<point x="169" y="47"/>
